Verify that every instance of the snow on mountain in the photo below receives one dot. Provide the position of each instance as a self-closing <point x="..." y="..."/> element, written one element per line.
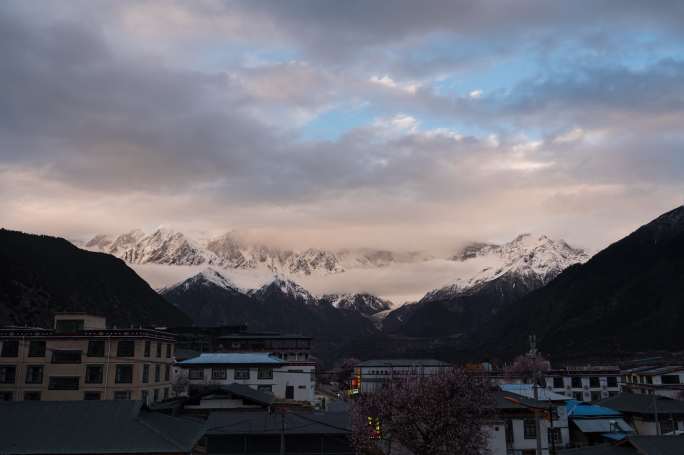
<point x="537" y="259"/>
<point x="283" y="287"/>
<point x="363" y="303"/>
<point x="206" y="277"/>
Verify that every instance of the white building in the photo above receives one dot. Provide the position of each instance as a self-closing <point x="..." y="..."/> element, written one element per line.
<point x="589" y="383"/>
<point x="260" y="371"/>
<point x="665" y="381"/>
<point x="520" y="431"/>
<point x="371" y="375"/>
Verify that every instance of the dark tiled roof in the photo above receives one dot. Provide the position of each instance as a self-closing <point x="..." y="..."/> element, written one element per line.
<point x="92" y="427"/>
<point x="402" y="363"/>
<point x="643" y="404"/>
<point x="658" y="445"/>
<point x="509" y="400"/>
<point x="600" y="450"/>
<point x="265" y="423"/>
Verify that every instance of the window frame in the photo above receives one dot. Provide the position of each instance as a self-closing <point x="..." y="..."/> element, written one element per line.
<point x="529" y="429"/>
<point x="7" y="353"/>
<point x="41" y="351"/>
<point x="239" y="374"/>
<point x="118" y="378"/>
<point x="74" y="385"/>
<point x="86" y="379"/>
<point x="125" y="353"/>
<point x="196" y="374"/>
<point x="265" y="373"/>
<point x="96" y="352"/>
<point x="40" y="368"/>
<point x="219" y="373"/>
<point x="11" y="378"/>
<point x="146" y="374"/>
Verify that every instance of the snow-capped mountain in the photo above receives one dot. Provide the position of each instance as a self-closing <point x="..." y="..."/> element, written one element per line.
<point x="283" y="288"/>
<point x="163" y="246"/>
<point x="207" y="277"/>
<point x="363" y="303"/>
<point x="535" y="260"/>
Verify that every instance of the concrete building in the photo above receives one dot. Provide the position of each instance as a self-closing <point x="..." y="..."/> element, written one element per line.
<point x="588" y="383"/>
<point x="594" y="425"/>
<point x="371" y="375"/>
<point x="81" y="359"/>
<point x="260" y="371"/>
<point x="288" y="347"/>
<point x="666" y="381"/>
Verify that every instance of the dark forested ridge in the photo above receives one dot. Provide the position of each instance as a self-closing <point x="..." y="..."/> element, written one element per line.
<point x="42" y="275"/>
<point x="628" y="297"/>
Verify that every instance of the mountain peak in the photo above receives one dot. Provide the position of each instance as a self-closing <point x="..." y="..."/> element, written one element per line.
<point x="363" y="302"/>
<point x="286" y="287"/>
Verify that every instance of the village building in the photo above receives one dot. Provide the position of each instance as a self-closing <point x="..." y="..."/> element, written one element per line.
<point x="649" y="414"/>
<point x="80" y="358"/>
<point x="666" y="381"/>
<point x="634" y="445"/>
<point x="587" y="383"/>
<point x="291" y="380"/>
<point x="371" y="375"/>
<point x="593" y="425"/>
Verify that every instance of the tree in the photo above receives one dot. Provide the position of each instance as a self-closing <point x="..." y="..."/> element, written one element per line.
<point x="344" y="371"/>
<point x="440" y="414"/>
<point x="528" y="368"/>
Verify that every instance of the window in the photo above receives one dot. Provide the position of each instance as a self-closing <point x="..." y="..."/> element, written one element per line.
<point x="265" y="388"/>
<point x="156" y="394"/>
<point x="10" y="348"/>
<point x="147" y="348"/>
<point x="37" y="348"/>
<point x="96" y="348"/>
<point x="31" y="396"/>
<point x="289" y="392"/>
<point x="594" y="382"/>
<point x="159" y="351"/>
<point x="530" y="427"/>
<point x="144" y="396"/>
<point x="34" y="374"/>
<point x="125" y="348"/>
<point x="670" y="379"/>
<point x="554" y="436"/>
<point x="510" y="434"/>
<point x="8" y="374"/>
<point x="666" y="426"/>
<point x="91" y="396"/>
<point x="579" y="396"/>
<point x="6" y="396"/>
<point x="69" y="326"/>
<point x="157" y="373"/>
<point x="124" y="374"/>
<point x="557" y="382"/>
<point x="196" y="373"/>
<point x="166" y="393"/>
<point x="265" y="373"/>
<point x="122" y="395"/>
<point x="167" y="372"/>
<point x="168" y="350"/>
<point x="146" y="374"/>
<point x="94" y="374"/>
<point x="576" y="382"/>
<point x="595" y="396"/>
<point x="242" y="373"/>
<point x="612" y="381"/>
<point x="218" y="373"/>
<point x="64" y="382"/>
<point x="66" y="356"/>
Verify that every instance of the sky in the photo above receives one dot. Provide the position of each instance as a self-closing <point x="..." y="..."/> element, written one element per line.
<point x="394" y="124"/>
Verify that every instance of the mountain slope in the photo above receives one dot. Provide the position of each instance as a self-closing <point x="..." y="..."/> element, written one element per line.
<point x="628" y="297"/>
<point x="512" y="271"/>
<point x="363" y="303"/>
<point x="41" y="275"/>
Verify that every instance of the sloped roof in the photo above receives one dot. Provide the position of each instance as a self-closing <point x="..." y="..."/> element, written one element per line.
<point x="508" y="400"/>
<point x="243" y="391"/>
<point x="603" y="425"/>
<point x="643" y="404"/>
<point x="658" y="445"/>
<point x="233" y="358"/>
<point x="271" y="423"/>
<point x="92" y="427"/>
<point x="527" y="390"/>
<point x="582" y="409"/>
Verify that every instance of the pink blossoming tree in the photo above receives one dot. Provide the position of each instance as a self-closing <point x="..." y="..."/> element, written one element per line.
<point x="439" y="414"/>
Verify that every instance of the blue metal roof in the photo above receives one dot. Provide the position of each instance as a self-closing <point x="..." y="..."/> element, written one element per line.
<point x="581" y="409"/>
<point x="232" y="358"/>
